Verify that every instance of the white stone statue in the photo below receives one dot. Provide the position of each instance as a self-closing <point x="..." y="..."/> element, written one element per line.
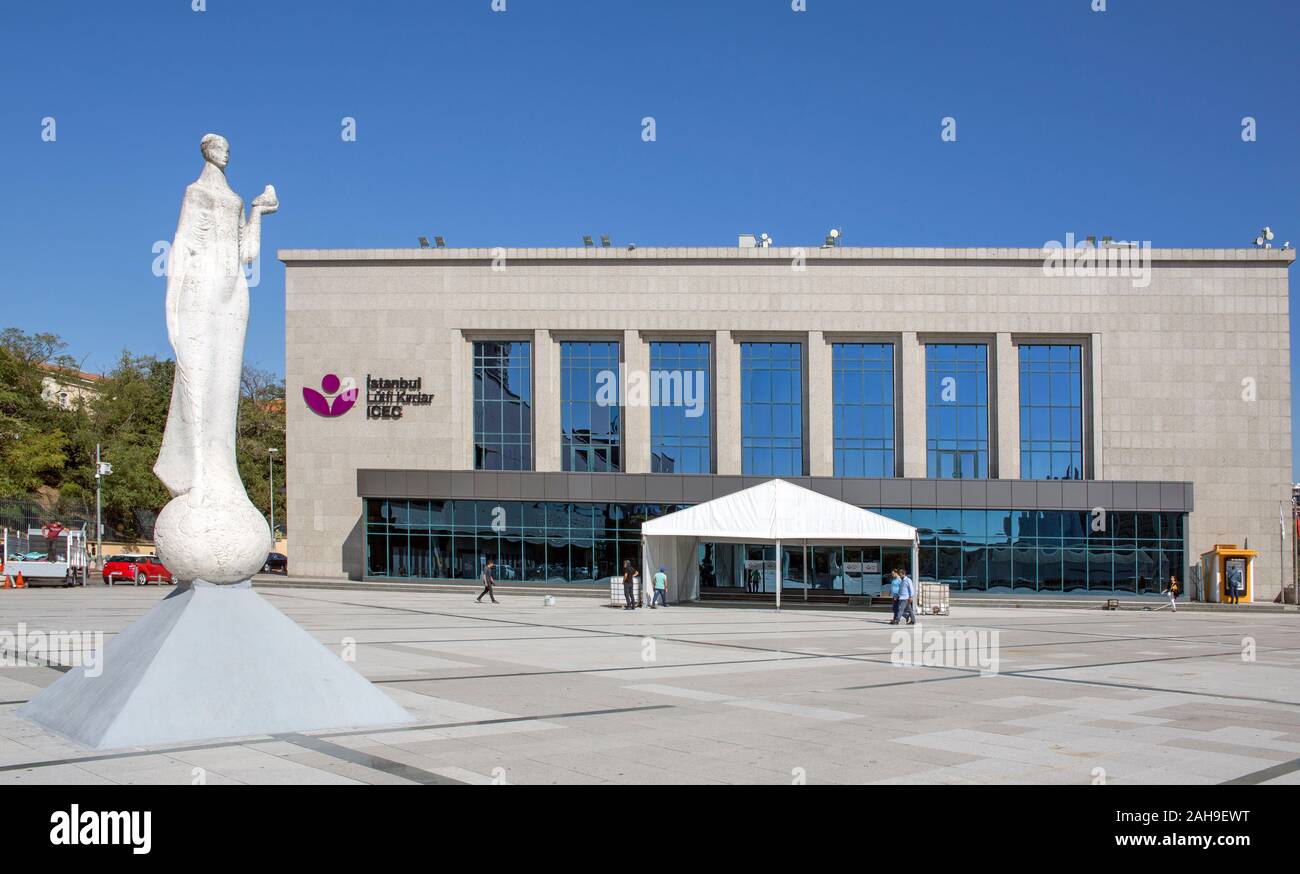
<point x="209" y="531"/>
<point x="213" y="658"/>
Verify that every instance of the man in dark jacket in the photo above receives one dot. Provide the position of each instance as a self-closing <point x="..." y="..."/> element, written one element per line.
<point x="629" y="584"/>
<point x="1236" y="585"/>
<point x="488" y="582"/>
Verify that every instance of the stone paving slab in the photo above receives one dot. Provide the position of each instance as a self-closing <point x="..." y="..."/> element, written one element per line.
<point x="582" y="693"/>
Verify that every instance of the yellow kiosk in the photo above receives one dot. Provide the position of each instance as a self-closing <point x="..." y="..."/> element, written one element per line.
<point x="1217" y="566"/>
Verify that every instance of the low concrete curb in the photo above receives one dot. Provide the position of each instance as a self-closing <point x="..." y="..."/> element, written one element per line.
<point x="1125" y="604"/>
<point x="275" y="581"/>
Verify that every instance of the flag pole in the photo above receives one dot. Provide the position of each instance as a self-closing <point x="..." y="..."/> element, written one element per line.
<point x="1281" y="554"/>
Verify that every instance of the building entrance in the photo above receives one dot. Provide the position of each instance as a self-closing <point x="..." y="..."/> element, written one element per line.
<point x="812" y="573"/>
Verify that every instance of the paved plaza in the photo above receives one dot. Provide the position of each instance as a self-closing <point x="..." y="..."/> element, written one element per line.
<point x="580" y="692"/>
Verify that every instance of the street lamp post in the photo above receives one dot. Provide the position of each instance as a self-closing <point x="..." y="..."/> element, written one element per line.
<point x="102" y="469"/>
<point x="270" y="471"/>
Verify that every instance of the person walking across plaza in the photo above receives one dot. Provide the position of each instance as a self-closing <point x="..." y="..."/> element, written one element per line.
<point x="906" y="592"/>
<point x="629" y="584"/>
<point x="661" y="587"/>
<point x="1172" y="591"/>
<point x="895" y="582"/>
<point x="488" y="582"/>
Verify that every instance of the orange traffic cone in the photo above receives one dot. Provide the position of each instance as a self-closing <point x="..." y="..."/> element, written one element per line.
<point x="4" y="582"/>
<point x="19" y="582"/>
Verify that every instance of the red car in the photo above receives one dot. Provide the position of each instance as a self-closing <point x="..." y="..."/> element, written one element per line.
<point x="137" y="569"/>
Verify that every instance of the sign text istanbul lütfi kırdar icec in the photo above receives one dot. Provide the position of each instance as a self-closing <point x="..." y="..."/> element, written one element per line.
<point x="387" y="398"/>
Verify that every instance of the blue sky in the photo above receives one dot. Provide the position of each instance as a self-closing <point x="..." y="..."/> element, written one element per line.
<point x="523" y="127"/>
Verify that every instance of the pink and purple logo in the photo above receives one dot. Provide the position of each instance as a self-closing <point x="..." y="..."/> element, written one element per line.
<point x="334" y="399"/>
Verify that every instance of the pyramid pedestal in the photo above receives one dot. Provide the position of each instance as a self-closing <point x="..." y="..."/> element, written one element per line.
<point x="209" y="662"/>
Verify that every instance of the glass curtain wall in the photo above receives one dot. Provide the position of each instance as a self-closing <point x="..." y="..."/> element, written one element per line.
<point x="503" y="396"/>
<point x="771" y="409"/>
<point x="591" y="422"/>
<point x="957" y="410"/>
<point x="1048" y="551"/>
<point x="863" y="398"/>
<point x="977" y="550"/>
<point x="1051" y="411"/>
<point x="680" y="424"/>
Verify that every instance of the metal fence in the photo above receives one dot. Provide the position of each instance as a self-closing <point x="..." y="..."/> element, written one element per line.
<point x="20" y="514"/>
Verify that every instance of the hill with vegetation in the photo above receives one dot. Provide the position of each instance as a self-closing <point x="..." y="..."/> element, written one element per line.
<point x="47" y="453"/>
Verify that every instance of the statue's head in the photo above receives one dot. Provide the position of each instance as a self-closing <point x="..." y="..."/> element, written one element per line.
<point x="215" y="150"/>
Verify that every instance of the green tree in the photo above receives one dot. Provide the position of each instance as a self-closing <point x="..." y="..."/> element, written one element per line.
<point x="33" y="434"/>
<point x="128" y="418"/>
<point x="260" y="429"/>
<point x="50" y="452"/>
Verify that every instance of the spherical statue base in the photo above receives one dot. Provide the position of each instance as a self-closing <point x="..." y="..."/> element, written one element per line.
<point x="220" y="540"/>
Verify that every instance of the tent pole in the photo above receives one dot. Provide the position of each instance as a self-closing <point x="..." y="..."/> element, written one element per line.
<point x="778" y="574"/>
<point x="916" y="563"/>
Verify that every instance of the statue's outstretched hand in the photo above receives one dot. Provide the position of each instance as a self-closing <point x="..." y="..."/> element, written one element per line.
<point x="266" y="202"/>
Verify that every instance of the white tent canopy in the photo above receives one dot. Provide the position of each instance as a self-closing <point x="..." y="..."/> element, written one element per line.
<point x="772" y="512"/>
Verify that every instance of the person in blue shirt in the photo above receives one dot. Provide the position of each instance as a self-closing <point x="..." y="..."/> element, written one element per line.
<point x="661" y="584"/>
<point x="895" y="583"/>
<point x="906" y="591"/>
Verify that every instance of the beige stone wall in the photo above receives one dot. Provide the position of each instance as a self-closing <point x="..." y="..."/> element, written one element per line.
<point x="1191" y="374"/>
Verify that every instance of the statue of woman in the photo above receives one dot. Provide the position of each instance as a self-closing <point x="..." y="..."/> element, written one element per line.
<point x="209" y="531"/>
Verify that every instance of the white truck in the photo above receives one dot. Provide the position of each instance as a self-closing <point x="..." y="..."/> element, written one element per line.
<point x="52" y="555"/>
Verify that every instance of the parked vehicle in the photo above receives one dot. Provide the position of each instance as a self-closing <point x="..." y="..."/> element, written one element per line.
<point x="276" y="563"/>
<point x="49" y="555"/>
<point x="137" y="569"/>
